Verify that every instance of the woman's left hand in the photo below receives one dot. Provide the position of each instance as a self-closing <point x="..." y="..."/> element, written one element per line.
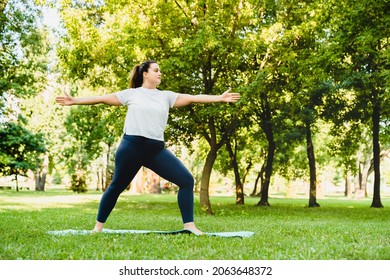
<point x="228" y="96"/>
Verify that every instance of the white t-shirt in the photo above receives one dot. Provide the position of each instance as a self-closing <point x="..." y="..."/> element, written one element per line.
<point x="147" y="111"/>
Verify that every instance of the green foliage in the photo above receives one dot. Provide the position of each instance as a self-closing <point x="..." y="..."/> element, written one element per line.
<point x="88" y="127"/>
<point x="24" y="48"/>
<point x="57" y="179"/>
<point x="98" y="46"/>
<point x="359" y="44"/>
<point x="23" y="61"/>
<point x="20" y="149"/>
<point x="356" y="52"/>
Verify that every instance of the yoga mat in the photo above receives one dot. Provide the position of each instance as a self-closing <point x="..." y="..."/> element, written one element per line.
<point x="134" y="231"/>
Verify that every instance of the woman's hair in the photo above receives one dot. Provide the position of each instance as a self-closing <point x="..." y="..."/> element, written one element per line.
<point x="136" y="75"/>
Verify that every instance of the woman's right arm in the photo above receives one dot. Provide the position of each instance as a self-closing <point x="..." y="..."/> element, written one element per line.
<point x="108" y="99"/>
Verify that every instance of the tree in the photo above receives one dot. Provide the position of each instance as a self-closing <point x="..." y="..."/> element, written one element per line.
<point x="23" y="45"/>
<point x="19" y="149"/>
<point x="87" y="128"/>
<point x="360" y="51"/>
<point x="93" y="68"/>
<point x="45" y="118"/>
<point x="265" y="90"/>
<point x="238" y="156"/>
<point x="239" y="175"/>
<point x="303" y="74"/>
<point x="23" y="66"/>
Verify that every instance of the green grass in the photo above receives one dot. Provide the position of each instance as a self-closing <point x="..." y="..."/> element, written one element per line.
<point x="288" y="230"/>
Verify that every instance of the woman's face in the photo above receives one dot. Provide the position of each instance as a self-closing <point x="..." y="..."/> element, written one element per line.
<point x="153" y="75"/>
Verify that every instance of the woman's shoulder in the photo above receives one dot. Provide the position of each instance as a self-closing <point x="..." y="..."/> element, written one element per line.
<point x="127" y="90"/>
<point x="125" y="95"/>
<point x="167" y="92"/>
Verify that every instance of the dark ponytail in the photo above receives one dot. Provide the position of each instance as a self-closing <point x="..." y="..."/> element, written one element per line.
<point x="137" y="76"/>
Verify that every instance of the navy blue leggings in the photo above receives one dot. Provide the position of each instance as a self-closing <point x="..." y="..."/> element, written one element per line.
<point x="135" y="152"/>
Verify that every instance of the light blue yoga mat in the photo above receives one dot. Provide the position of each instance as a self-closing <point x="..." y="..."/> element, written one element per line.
<point x="133" y="231"/>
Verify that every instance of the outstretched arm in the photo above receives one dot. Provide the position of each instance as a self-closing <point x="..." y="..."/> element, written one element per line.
<point x="108" y="99"/>
<point x="187" y="99"/>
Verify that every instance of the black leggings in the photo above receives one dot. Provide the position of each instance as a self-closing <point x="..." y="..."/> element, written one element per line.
<point x="135" y="152"/>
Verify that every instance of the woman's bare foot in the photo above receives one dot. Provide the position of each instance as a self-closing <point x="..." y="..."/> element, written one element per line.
<point x="191" y="227"/>
<point x="98" y="227"/>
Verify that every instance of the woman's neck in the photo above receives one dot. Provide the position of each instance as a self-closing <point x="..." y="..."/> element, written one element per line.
<point x="149" y="86"/>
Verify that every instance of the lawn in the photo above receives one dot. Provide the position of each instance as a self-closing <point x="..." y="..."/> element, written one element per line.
<point x="288" y="230"/>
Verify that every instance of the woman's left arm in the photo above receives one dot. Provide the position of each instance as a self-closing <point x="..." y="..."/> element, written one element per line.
<point x="187" y="99"/>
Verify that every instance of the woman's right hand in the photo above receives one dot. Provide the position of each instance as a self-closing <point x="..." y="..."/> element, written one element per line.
<point x="66" y="100"/>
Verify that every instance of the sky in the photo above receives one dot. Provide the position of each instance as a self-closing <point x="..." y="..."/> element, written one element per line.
<point x="50" y="17"/>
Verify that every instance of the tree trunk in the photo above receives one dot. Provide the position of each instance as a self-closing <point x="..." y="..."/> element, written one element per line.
<point x="40" y="180"/>
<point x="269" y="165"/>
<point x="40" y="175"/>
<point x="363" y="183"/>
<point x="239" y="184"/>
<point x="205" y="181"/>
<point x="208" y="166"/>
<point x="260" y="176"/>
<point x="268" y="174"/>
<point x="239" y="192"/>
<point x="16" y="182"/>
<point x="107" y="178"/>
<point x="348" y="187"/>
<point x="256" y="183"/>
<point x="376" y="201"/>
<point x="99" y="181"/>
<point x="247" y="170"/>
<point x="312" y="167"/>
<point x="358" y="178"/>
<point x="266" y="125"/>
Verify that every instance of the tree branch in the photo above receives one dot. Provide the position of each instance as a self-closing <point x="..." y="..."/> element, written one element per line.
<point x="185" y="14"/>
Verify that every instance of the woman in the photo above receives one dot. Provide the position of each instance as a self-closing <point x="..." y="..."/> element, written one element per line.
<point x="143" y="140"/>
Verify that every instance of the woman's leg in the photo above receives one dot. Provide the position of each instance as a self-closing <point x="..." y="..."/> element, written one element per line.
<point x="128" y="160"/>
<point x="170" y="168"/>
